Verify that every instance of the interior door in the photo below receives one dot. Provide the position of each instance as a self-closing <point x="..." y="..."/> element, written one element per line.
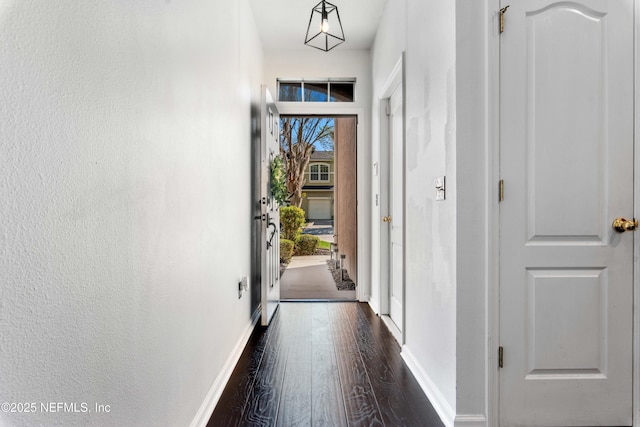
<point x="566" y="160"/>
<point x="396" y="206"/>
<point x="270" y="211"/>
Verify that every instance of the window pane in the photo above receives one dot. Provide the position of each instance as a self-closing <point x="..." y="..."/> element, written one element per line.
<point x="315" y="92"/>
<point x="342" y="92"/>
<point x="324" y="168"/>
<point x="313" y="173"/>
<point x="290" y="92"/>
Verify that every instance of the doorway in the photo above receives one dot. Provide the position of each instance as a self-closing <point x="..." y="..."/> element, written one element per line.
<point x="566" y="163"/>
<point x="320" y="152"/>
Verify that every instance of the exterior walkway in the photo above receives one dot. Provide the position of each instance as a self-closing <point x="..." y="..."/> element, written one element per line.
<point x="308" y="277"/>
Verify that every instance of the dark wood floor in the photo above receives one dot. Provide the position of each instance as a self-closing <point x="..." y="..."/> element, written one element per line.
<point x="324" y="364"/>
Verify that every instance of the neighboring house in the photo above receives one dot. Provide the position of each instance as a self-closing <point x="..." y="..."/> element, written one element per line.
<point x="317" y="200"/>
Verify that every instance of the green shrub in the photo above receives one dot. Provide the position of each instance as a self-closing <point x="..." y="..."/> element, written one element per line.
<point x="306" y="244"/>
<point x="291" y="220"/>
<point x="286" y="250"/>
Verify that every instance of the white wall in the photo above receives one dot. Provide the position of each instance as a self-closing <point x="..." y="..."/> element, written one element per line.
<point x="309" y="63"/>
<point x="122" y="125"/>
<point x="445" y="245"/>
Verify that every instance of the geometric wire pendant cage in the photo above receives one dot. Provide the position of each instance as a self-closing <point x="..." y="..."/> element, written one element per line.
<point x="325" y="28"/>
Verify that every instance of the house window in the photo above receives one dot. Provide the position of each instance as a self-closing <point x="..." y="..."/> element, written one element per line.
<point x="319" y="172"/>
<point x="333" y="90"/>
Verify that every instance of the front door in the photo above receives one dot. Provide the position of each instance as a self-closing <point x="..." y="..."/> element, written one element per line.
<point x="270" y="211"/>
<point x="396" y="206"/>
<point x="566" y="161"/>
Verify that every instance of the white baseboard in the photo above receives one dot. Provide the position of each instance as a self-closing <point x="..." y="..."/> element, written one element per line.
<point x="391" y="326"/>
<point x="478" y="420"/>
<point x="206" y="409"/>
<point x="373" y="306"/>
<point x="439" y="403"/>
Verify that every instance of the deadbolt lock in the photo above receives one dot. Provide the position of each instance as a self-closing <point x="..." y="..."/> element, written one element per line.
<point x="386" y="219"/>
<point x="621" y="225"/>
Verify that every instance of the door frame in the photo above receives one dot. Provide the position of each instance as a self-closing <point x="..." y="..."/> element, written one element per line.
<point x="493" y="229"/>
<point x="363" y="217"/>
<point x="396" y="80"/>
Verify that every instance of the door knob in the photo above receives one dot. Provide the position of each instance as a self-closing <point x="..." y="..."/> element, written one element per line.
<point x="621" y="225"/>
<point x="386" y="219"/>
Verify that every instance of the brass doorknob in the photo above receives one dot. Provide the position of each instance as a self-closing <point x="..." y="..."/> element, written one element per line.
<point x="386" y="219"/>
<point x="621" y="225"/>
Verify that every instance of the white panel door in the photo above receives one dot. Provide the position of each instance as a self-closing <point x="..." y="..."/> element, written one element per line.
<point x="270" y="218"/>
<point x="396" y="206"/>
<point x="566" y="158"/>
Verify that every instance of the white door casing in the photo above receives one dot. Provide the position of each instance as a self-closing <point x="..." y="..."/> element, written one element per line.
<point x="270" y="216"/>
<point x="566" y="158"/>
<point x="396" y="208"/>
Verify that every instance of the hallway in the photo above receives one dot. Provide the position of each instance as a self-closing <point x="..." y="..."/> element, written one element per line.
<point x="323" y="364"/>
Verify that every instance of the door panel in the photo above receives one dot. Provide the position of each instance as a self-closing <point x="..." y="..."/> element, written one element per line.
<point x="566" y="158"/>
<point x="270" y="217"/>
<point x="396" y="206"/>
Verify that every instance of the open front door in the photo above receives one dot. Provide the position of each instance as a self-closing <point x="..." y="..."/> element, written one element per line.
<point x="270" y="211"/>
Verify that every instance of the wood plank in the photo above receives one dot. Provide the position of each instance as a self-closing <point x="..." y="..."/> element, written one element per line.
<point x="295" y="401"/>
<point x="400" y="398"/>
<point x="323" y="364"/>
<point x="233" y="400"/>
<point x="261" y="408"/>
<point x="328" y="400"/>
<point x="359" y="397"/>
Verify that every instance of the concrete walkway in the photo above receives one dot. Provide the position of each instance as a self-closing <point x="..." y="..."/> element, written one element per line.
<point x="308" y="277"/>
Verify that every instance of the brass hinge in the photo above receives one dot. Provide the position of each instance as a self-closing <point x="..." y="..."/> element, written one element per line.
<point x="502" y="12"/>
<point x="501" y="190"/>
<point x="500" y="357"/>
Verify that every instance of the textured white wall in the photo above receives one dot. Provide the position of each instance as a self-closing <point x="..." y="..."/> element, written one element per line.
<point x="124" y="204"/>
<point x="430" y="308"/>
<point x="447" y="133"/>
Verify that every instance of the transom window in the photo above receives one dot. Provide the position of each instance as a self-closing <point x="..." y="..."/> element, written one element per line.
<point x="316" y="91"/>
<point x="319" y="172"/>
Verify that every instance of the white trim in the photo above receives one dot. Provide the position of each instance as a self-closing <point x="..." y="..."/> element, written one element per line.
<point x="373" y="306"/>
<point x="392" y="327"/>
<point x="211" y="399"/>
<point x="438" y="401"/>
<point x="478" y="420"/>
<point x="493" y="220"/>
<point x="395" y="79"/>
<point x="636" y="209"/>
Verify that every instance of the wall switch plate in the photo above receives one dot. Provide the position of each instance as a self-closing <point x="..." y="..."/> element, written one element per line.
<point x="440" y="188"/>
<point x="243" y="285"/>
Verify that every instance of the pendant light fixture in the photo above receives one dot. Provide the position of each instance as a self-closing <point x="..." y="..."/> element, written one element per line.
<point x="325" y="28"/>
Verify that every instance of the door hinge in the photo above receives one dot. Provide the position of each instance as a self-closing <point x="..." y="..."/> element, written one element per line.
<point x="501" y="190"/>
<point x="502" y="12"/>
<point x="500" y="357"/>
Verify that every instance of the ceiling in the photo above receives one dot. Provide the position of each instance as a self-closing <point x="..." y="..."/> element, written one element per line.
<point x="282" y="24"/>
